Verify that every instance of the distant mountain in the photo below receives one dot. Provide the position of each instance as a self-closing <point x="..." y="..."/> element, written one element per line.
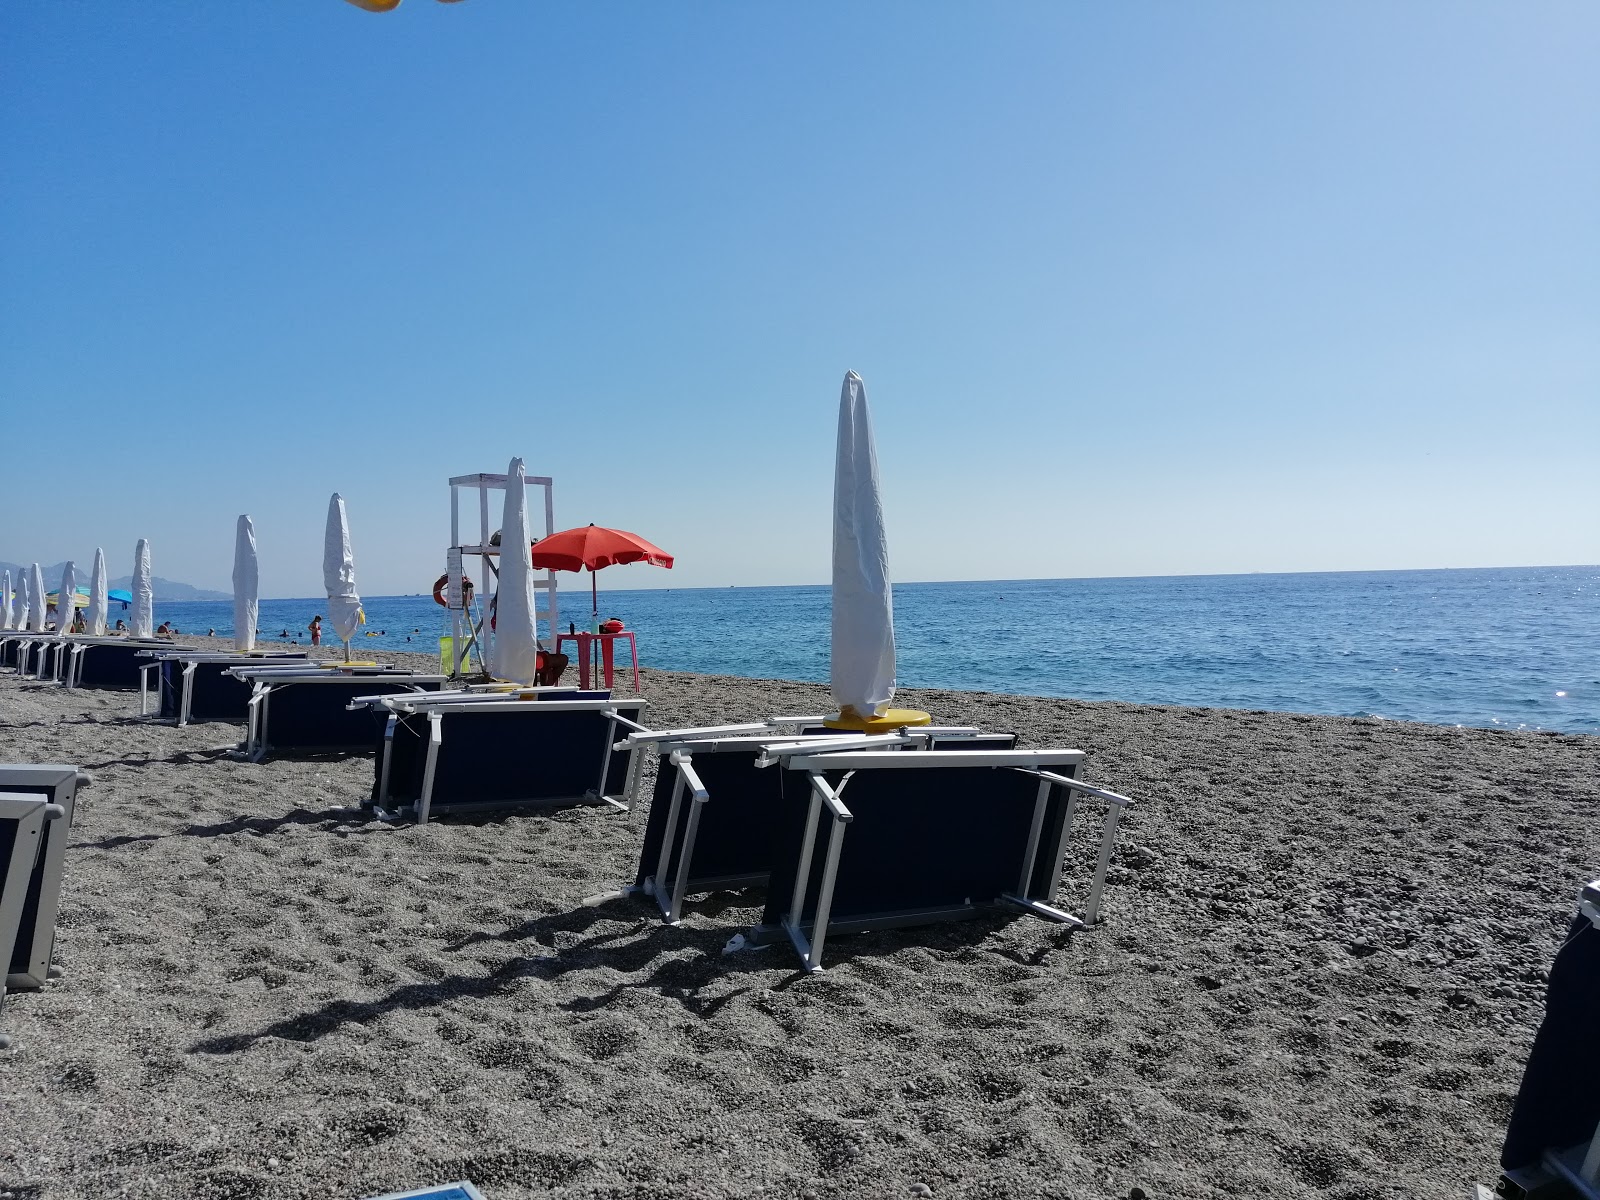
<point x="170" y="590"/>
<point x="166" y="590"/>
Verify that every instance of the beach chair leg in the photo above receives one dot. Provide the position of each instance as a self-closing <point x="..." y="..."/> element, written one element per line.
<point x="1030" y="855"/>
<point x="187" y="700"/>
<point x="656" y="885"/>
<point x="387" y="753"/>
<point x="605" y="768"/>
<point x="830" y="873"/>
<point x="1108" y="843"/>
<point x="435" y="736"/>
<point x="680" y="883"/>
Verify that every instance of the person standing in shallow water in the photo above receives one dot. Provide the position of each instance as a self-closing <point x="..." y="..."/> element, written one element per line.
<point x="316" y="630"/>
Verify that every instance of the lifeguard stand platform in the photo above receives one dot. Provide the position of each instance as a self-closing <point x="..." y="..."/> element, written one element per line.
<point x="464" y="561"/>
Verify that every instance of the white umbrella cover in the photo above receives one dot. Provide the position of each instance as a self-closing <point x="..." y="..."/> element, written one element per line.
<point x="94" y="621"/>
<point x="142" y="621"/>
<point x="23" y="603"/>
<point x="246" y="586"/>
<point x="67" y="598"/>
<point x="514" y="654"/>
<point x="339" y="573"/>
<point x="862" y="673"/>
<point x="39" y="606"/>
<point x="7" y="601"/>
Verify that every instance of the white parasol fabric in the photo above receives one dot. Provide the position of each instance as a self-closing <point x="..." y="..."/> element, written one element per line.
<point x="7" y="601"/>
<point x="142" y="621"/>
<point x="514" y="655"/>
<point x="246" y="586"/>
<point x="39" y="607"/>
<point x="67" y="598"/>
<point x="862" y="668"/>
<point x="339" y="573"/>
<point x="23" y="603"/>
<point x="94" y="621"/>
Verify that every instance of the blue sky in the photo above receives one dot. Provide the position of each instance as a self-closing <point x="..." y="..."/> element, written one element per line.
<point x="1135" y="289"/>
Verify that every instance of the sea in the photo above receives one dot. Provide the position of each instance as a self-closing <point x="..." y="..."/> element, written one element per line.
<point x="1506" y="648"/>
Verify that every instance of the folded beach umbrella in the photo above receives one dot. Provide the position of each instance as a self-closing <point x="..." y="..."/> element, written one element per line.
<point x="142" y="624"/>
<point x="39" y="605"/>
<point x="94" y="621"/>
<point x="862" y="670"/>
<point x="67" y="597"/>
<point x="514" y="654"/>
<point x="23" y="603"/>
<point x="246" y="586"/>
<point x="7" y="601"/>
<point x="339" y="574"/>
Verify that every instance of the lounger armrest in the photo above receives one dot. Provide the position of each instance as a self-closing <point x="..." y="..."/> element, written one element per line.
<point x="690" y="777"/>
<point x="830" y="798"/>
<point x="1078" y="785"/>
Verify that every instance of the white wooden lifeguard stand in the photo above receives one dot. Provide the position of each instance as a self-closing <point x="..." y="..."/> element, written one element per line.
<point x="457" y="568"/>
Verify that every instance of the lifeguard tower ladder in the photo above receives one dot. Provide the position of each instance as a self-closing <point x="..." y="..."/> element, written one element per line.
<point x="457" y="566"/>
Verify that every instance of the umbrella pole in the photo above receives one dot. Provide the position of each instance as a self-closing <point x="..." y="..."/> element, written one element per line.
<point x="347" y="649"/>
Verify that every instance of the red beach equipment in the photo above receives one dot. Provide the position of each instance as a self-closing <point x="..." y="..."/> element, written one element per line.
<point x="595" y="547"/>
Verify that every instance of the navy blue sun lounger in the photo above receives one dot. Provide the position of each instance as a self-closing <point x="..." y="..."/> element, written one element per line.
<point x="1553" y="1139"/>
<point x="464" y="752"/>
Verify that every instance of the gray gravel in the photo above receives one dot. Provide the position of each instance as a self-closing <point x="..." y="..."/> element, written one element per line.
<point x="1322" y="963"/>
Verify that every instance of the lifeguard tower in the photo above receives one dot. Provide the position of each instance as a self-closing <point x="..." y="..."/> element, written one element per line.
<point x="469" y="616"/>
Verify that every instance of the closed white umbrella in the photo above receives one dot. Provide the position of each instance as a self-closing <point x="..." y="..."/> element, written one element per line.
<point x="23" y="603"/>
<point x="862" y="667"/>
<point x="246" y="586"/>
<point x="339" y="574"/>
<point x="142" y="622"/>
<point x="94" y="621"/>
<point x="862" y="671"/>
<point x="514" y="654"/>
<point x="7" y="602"/>
<point x="67" y="598"/>
<point x="38" y="606"/>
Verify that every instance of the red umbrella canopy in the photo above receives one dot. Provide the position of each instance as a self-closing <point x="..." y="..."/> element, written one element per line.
<point x="595" y="546"/>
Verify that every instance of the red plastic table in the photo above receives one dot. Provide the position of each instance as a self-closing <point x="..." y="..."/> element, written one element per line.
<point x="586" y="640"/>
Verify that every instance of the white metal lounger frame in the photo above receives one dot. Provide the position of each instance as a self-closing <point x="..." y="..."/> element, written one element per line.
<point x="48" y="645"/>
<point x="435" y="704"/>
<point x="1029" y="762"/>
<point x="73" y="676"/>
<point x="190" y="660"/>
<point x="264" y="680"/>
<point x="30" y="811"/>
<point x="680" y="746"/>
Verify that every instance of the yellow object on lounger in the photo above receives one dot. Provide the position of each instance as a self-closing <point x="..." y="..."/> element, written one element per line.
<point x="886" y="722"/>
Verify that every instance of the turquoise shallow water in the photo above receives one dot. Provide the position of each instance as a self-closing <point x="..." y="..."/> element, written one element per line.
<point x="1508" y="647"/>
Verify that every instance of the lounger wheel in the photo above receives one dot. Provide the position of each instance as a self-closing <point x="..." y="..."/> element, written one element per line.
<point x="56" y="972"/>
<point x="5" y="1041"/>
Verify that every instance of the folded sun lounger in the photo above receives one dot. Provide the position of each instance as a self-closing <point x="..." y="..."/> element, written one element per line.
<point x="307" y="707"/>
<point x="35" y="812"/>
<point x="107" y="662"/>
<point x="873" y="840"/>
<point x="194" y="685"/>
<point x="1552" y="1145"/>
<point x="714" y="814"/>
<point x="465" y="751"/>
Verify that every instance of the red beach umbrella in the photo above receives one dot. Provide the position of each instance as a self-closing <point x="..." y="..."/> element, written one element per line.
<point x="595" y="547"/>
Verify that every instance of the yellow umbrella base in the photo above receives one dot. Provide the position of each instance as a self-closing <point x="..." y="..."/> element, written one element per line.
<point x="887" y="722"/>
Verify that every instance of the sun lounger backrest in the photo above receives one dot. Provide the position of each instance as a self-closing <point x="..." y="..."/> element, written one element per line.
<point x="24" y="816"/>
<point x="733" y="841"/>
<point x="1557" y="1105"/>
<point x="925" y="840"/>
<point x="311" y="715"/>
<point x="29" y="963"/>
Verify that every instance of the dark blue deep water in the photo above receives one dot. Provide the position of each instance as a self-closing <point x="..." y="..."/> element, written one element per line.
<point x="1515" y="648"/>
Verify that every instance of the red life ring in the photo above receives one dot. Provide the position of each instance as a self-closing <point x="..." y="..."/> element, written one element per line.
<point x="442" y="585"/>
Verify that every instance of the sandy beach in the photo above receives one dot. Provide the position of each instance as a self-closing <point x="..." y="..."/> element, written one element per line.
<point x="1321" y="964"/>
